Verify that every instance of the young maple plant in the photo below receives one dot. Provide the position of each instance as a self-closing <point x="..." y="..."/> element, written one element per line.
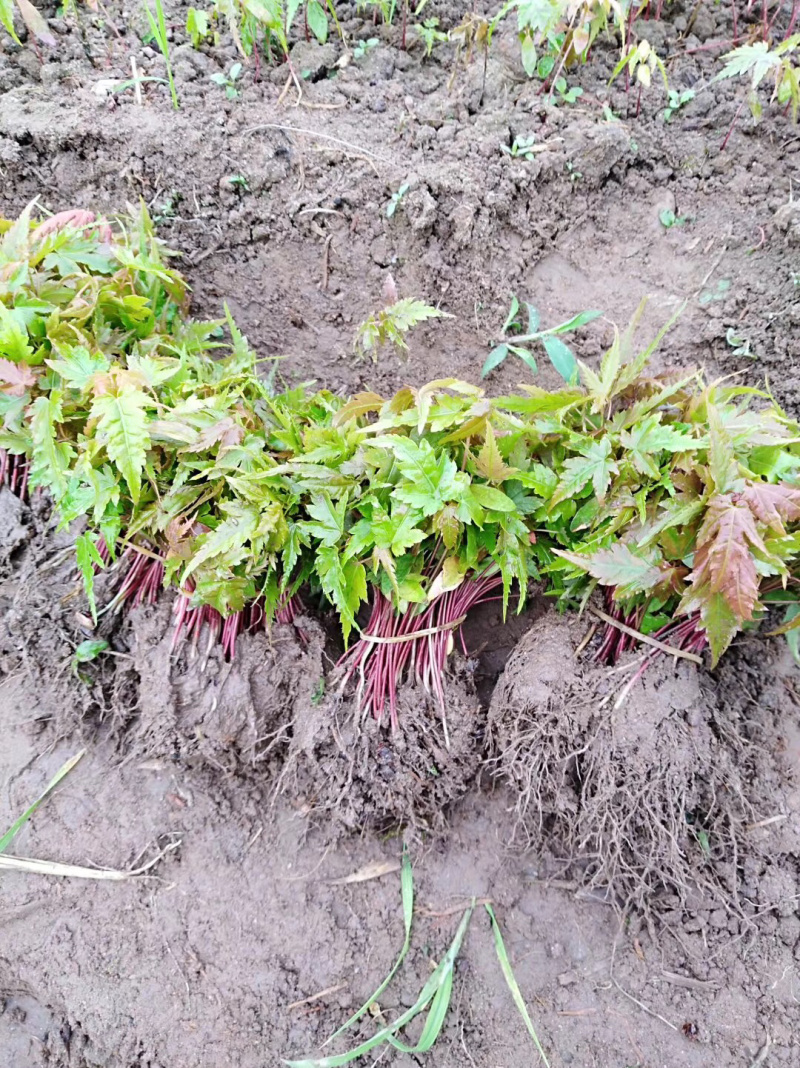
<point x="157" y="432"/>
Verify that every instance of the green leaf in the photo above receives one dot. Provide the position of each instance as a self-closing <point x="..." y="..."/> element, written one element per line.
<point x="562" y="358"/>
<point x="51" y="458"/>
<point x="494" y="359"/>
<point x="619" y="566"/>
<point x="577" y="321"/>
<point x="720" y="624"/>
<point x="526" y="356"/>
<point x="89" y="559"/>
<point x="542" y="480"/>
<point x="344" y="585"/>
<point x="18" y="824"/>
<point x="513" y="986"/>
<point x="431" y="479"/>
<point x="77" y="366"/>
<point x="330" y="517"/>
<point x="122" y="426"/>
<point x="397" y="532"/>
<point x="511" y="318"/>
<point x="493" y="499"/>
<point x="14" y="338"/>
<point x="594" y="465"/>
<point x="317" y="20"/>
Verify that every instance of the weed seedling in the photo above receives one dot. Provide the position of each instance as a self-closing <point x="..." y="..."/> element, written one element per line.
<point x="430" y="34"/>
<point x="198" y="26"/>
<point x="719" y="292"/>
<point x="564" y="94"/>
<point x="676" y="101"/>
<point x="228" y="81"/>
<point x="521" y="148"/>
<point x="561" y="356"/>
<point x="669" y="219"/>
<point x="574" y="174"/>
<point x="16" y="827"/>
<point x="740" y="345"/>
<point x="158" y="28"/>
<point x="395" y="200"/>
<point x="361" y="48"/>
<point x="86" y="652"/>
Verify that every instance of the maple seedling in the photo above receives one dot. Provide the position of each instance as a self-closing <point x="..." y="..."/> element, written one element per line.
<point x="188" y="470"/>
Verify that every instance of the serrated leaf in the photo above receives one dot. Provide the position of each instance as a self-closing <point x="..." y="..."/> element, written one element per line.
<point x="17" y="378"/>
<point x="397" y="532"/>
<point x="489" y="462"/>
<point x="772" y="504"/>
<point x="14" y="337"/>
<point x="77" y="366"/>
<point x="229" y="540"/>
<point x="51" y="458"/>
<point x="447" y="524"/>
<point x="719" y="622"/>
<point x="630" y="573"/>
<point x="122" y="427"/>
<point x="594" y="465"/>
<point x="648" y="438"/>
<point x="344" y="585"/>
<point x="721" y="463"/>
<point x="89" y="560"/>
<point x="542" y="480"/>
<point x="723" y="562"/>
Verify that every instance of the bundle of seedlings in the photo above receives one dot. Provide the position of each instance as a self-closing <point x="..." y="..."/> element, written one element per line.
<point x="158" y="433"/>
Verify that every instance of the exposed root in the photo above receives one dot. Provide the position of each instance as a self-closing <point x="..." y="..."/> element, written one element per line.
<point x="645" y="797"/>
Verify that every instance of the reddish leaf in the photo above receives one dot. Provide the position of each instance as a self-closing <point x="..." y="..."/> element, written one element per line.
<point x="76" y="219"/>
<point x="723" y="562"/>
<point x="225" y="431"/>
<point x="16" y="376"/>
<point x="772" y="504"/>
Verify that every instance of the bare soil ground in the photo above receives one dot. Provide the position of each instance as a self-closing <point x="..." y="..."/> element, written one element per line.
<point x="273" y="793"/>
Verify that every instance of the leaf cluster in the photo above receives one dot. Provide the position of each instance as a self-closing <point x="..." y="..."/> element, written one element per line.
<point x="157" y="430"/>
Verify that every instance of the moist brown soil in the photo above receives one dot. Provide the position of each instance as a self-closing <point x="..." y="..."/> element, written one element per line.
<point x="270" y="782"/>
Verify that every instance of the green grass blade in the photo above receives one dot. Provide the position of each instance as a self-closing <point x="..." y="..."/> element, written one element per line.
<point x="158" y="27"/>
<point x="17" y="826"/>
<point x="434" y="1022"/>
<point x="441" y="977"/>
<point x="407" y="888"/>
<point x="519" y="1001"/>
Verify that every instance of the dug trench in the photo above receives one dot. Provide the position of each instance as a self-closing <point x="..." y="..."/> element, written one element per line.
<point x="561" y="808"/>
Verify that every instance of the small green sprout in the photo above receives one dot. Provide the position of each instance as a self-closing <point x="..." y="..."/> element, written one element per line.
<point x="228" y="81"/>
